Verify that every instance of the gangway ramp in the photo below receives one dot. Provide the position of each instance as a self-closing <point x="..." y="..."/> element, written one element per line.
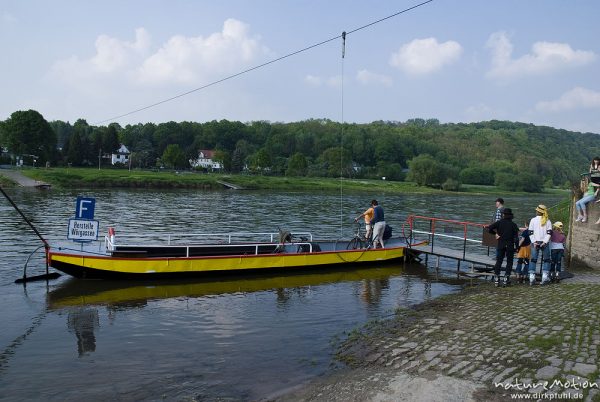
<point x="468" y="244"/>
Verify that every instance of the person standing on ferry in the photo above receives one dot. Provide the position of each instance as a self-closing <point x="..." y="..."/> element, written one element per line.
<point x="368" y="215"/>
<point x="378" y="223"/>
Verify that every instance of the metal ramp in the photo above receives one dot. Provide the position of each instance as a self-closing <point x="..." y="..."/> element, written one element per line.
<point x="468" y="244"/>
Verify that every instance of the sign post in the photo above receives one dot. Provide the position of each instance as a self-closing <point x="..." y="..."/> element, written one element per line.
<point x="83" y="228"/>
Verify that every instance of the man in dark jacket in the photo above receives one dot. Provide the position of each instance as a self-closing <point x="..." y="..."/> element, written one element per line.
<point x="507" y="233"/>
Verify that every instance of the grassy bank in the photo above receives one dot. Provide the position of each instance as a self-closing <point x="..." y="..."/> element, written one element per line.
<point x="94" y="178"/>
<point x="6" y="182"/>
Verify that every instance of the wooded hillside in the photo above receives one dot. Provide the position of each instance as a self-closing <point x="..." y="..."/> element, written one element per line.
<point x="512" y="155"/>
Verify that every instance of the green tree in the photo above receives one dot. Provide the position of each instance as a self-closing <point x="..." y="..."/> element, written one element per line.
<point x="173" y="156"/>
<point x="297" y="165"/>
<point x="224" y="158"/>
<point x="523" y="181"/>
<point x="423" y="170"/>
<point x="28" y="133"/>
<point x="337" y="161"/>
<point x="391" y="171"/>
<point x="477" y="175"/>
<point x="261" y="161"/>
<point x="75" y="152"/>
<point x="110" y="139"/>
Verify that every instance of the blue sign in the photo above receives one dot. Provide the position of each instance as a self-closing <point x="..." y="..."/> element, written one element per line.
<point x="85" y="208"/>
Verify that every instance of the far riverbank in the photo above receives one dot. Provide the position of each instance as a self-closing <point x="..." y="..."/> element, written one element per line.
<point x="121" y="178"/>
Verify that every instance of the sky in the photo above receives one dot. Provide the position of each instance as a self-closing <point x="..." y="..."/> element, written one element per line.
<point x="532" y="61"/>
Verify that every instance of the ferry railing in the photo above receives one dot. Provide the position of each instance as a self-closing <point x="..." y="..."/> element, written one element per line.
<point x="112" y="246"/>
<point x="437" y="225"/>
<point x="226" y="239"/>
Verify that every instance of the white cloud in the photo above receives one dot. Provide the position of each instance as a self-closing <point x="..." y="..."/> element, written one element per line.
<point x="313" y="80"/>
<point x="482" y="112"/>
<point x="8" y="19"/>
<point x="424" y="56"/>
<point x="335" y="81"/>
<point x="316" y="81"/>
<point x="114" y="60"/>
<point x="545" y="57"/>
<point x="366" y="77"/>
<point x="113" y="54"/>
<point x="191" y="60"/>
<point x="182" y="60"/>
<point x="576" y="98"/>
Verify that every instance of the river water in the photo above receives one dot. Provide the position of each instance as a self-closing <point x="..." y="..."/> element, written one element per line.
<point x="229" y="339"/>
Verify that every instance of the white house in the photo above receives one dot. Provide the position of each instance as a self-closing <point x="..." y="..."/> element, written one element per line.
<point x="121" y="156"/>
<point x="205" y="160"/>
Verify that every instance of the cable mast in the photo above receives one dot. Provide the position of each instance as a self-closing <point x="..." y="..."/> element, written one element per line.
<point x="342" y="141"/>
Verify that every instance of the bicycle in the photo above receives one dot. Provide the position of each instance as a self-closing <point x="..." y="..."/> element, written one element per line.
<point x="359" y="241"/>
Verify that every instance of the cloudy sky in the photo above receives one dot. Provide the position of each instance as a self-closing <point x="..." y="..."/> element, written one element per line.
<point x="533" y="61"/>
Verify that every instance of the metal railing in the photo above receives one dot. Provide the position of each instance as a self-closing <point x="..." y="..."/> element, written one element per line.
<point x="245" y="239"/>
<point x="436" y="223"/>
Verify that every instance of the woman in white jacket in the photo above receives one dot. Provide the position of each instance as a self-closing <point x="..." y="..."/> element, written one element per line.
<point x="540" y="229"/>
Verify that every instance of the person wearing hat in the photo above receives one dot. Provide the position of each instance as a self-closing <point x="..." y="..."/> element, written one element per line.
<point x="507" y="233"/>
<point x="540" y="229"/>
<point x="557" y="250"/>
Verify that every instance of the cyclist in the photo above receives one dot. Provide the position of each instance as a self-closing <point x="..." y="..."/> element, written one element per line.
<point x="368" y="215"/>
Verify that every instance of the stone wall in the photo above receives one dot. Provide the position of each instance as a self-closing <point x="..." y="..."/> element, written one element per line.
<point x="583" y="241"/>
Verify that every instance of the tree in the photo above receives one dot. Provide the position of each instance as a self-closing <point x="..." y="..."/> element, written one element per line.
<point x="337" y="161"/>
<point x="224" y="158"/>
<point x="477" y="175"/>
<point x="75" y="154"/>
<point x="297" y="165"/>
<point x="173" y="156"/>
<point x="110" y="139"/>
<point x="523" y="181"/>
<point x="261" y="160"/>
<point x="28" y="133"/>
<point x="423" y="170"/>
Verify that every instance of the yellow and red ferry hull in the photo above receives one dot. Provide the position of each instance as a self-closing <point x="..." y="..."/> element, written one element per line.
<point x="88" y="265"/>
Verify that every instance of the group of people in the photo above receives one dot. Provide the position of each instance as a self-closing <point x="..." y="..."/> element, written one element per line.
<point x="592" y="182"/>
<point x="538" y="237"/>
<point x="374" y="223"/>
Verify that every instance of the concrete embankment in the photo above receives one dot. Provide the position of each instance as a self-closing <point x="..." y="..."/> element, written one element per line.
<point x="485" y="343"/>
<point x="584" y="238"/>
<point x="21" y="179"/>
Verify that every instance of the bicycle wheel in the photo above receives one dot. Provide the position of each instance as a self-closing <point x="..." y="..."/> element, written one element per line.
<point x="354" y="244"/>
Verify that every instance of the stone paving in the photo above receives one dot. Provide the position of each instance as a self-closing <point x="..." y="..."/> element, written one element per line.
<point x="506" y="339"/>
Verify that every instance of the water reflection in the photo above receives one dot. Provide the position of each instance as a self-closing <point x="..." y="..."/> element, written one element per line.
<point x="122" y="295"/>
<point x="372" y="290"/>
<point x="83" y="322"/>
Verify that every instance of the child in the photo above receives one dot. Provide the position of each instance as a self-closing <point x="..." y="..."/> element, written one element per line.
<point x="523" y="254"/>
<point x="557" y="250"/>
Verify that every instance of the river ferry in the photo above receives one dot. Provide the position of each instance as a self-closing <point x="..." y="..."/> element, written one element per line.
<point x="159" y="256"/>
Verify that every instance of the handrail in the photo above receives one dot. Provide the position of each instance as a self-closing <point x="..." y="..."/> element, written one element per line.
<point x="227" y="237"/>
<point x="432" y="229"/>
<point x="111" y="245"/>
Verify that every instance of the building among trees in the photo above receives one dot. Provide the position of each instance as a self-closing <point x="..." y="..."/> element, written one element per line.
<point x="121" y="155"/>
<point x="206" y="160"/>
